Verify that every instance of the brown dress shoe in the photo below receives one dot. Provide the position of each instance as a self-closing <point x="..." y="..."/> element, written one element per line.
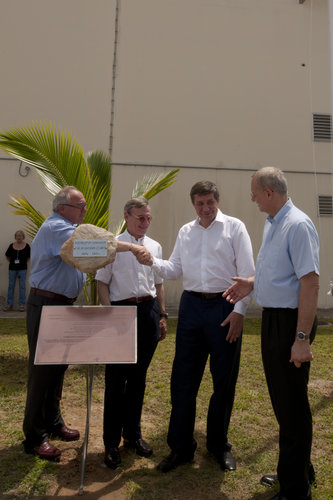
<point x="66" y="434"/>
<point x="45" y="450"/>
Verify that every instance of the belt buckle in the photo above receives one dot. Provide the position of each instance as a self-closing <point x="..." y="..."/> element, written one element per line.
<point x="212" y="295"/>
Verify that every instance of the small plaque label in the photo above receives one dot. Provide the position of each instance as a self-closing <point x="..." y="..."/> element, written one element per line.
<point x="90" y="248"/>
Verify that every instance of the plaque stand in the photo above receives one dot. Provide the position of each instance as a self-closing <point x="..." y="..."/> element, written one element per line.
<point x="87" y="335"/>
<point x="89" y="380"/>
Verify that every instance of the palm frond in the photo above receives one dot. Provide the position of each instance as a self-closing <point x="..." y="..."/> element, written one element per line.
<point x="151" y="185"/>
<point x="59" y="161"/>
<point x="35" y="218"/>
<point x="57" y="157"/>
<point x="99" y="164"/>
<point x="98" y="212"/>
<point x="119" y="227"/>
<point x="42" y="146"/>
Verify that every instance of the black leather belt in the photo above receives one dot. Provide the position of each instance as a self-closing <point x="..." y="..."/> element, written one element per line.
<point x="205" y="295"/>
<point x="52" y="295"/>
<point x="136" y="300"/>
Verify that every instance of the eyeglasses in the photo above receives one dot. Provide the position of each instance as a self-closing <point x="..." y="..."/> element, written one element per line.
<point x="82" y="206"/>
<point x="143" y="218"/>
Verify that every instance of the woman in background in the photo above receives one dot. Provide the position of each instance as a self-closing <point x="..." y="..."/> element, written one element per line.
<point x="17" y="254"/>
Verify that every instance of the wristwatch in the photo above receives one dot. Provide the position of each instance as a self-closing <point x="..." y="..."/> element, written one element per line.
<point x="302" y="336"/>
<point x="164" y="315"/>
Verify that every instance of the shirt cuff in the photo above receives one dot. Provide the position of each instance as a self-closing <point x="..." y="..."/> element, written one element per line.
<point x="240" y="308"/>
<point x="156" y="266"/>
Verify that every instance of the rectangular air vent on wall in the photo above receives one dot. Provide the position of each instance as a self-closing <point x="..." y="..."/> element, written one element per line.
<point x="325" y="206"/>
<point x="322" y="127"/>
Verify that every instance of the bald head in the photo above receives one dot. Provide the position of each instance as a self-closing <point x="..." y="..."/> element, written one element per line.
<point x="273" y="179"/>
<point x="269" y="190"/>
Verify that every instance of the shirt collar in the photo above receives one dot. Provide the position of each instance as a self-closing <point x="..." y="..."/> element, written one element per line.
<point x="220" y="217"/>
<point x="131" y="238"/>
<point x="281" y="213"/>
<point x="55" y="215"/>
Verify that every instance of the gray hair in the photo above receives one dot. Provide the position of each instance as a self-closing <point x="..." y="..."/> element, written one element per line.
<point x="138" y="202"/>
<point x="62" y="197"/>
<point x="271" y="178"/>
<point x="204" y="187"/>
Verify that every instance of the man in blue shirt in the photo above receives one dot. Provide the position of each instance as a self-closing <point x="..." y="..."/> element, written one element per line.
<point x="286" y="285"/>
<point x="53" y="282"/>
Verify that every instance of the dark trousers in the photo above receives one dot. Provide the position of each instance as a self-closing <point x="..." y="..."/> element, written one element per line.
<point x="125" y="383"/>
<point x="288" y="389"/>
<point x="199" y="334"/>
<point x="42" y="411"/>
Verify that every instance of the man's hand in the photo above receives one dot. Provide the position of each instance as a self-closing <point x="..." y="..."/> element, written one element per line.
<point x="235" y="321"/>
<point x="163" y="328"/>
<point x="239" y="290"/>
<point x="300" y="353"/>
<point x="142" y="254"/>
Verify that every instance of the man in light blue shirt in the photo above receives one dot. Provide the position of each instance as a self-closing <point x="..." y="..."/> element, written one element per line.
<point x="286" y="285"/>
<point x="53" y="282"/>
<point x="289" y="251"/>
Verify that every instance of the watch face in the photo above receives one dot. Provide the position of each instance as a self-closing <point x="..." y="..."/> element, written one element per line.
<point x="301" y="335"/>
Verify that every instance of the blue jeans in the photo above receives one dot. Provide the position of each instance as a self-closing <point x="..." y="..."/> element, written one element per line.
<point x="21" y="275"/>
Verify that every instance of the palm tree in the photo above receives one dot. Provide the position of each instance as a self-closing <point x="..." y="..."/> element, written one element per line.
<point x="59" y="161"/>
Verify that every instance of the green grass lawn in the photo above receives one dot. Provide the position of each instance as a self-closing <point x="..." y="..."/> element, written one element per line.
<point x="253" y="429"/>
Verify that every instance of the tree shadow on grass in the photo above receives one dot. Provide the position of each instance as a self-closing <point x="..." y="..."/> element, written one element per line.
<point x="13" y="372"/>
<point x="137" y="478"/>
<point x="16" y="467"/>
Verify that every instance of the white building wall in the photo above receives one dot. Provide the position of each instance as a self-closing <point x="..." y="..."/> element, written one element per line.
<point x="221" y="87"/>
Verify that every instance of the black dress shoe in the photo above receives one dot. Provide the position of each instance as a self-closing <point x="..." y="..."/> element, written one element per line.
<point x="269" y="480"/>
<point x="173" y="460"/>
<point x="227" y="461"/>
<point x="141" y="447"/>
<point x="112" y="457"/>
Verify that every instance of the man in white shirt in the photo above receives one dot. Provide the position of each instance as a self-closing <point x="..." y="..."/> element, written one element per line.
<point x="126" y="282"/>
<point x="208" y="252"/>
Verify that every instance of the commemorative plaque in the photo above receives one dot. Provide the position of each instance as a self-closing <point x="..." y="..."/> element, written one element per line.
<point x="87" y="335"/>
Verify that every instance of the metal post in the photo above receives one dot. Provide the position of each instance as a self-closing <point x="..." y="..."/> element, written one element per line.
<point x="89" y="380"/>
